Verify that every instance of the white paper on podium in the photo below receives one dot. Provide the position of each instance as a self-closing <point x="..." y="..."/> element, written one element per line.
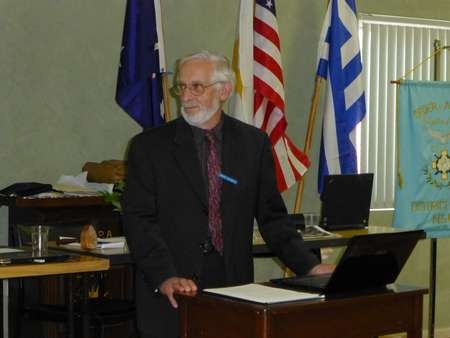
<point x="263" y="294"/>
<point x="79" y="185"/>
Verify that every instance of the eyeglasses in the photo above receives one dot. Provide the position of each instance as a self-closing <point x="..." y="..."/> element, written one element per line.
<point x="195" y="88"/>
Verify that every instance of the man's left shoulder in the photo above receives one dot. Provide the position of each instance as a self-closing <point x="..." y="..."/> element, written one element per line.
<point x="245" y="128"/>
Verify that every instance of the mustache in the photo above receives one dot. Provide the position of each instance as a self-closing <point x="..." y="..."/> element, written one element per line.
<point x="189" y="104"/>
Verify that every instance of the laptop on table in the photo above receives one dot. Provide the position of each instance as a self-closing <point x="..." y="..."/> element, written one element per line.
<point x="369" y="262"/>
<point x="10" y="256"/>
<point x="346" y="201"/>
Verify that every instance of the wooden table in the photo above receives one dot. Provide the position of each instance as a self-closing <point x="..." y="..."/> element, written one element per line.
<point x="369" y="315"/>
<point x="116" y="256"/>
<point x="341" y="239"/>
<point x="77" y="264"/>
<point x="120" y="260"/>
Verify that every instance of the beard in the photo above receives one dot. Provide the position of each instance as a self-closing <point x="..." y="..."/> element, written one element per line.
<point x="202" y="115"/>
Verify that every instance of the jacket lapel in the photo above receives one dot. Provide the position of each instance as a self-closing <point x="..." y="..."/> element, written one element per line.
<point x="187" y="158"/>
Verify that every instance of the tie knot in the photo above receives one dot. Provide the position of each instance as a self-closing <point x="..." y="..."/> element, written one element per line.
<point x="209" y="134"/>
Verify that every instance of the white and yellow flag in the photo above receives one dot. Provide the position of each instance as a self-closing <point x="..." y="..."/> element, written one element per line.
<point x="242" y="103"/>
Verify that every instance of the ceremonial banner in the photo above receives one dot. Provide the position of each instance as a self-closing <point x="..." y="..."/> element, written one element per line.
<point x="422" y="197"/>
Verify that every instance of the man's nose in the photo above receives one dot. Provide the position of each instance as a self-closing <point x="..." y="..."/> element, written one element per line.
<point x="186" y="94"/>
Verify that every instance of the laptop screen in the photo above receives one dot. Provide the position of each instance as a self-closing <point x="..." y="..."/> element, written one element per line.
<point x="373" y="260"/>
<point x="369" y="262"/>
<point x="346" y="201"/>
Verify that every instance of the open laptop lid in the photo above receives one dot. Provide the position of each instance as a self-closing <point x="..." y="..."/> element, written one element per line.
<point x="369" y="262"/>
<point x="372" y="261"/>
<point x="346" y="201"/>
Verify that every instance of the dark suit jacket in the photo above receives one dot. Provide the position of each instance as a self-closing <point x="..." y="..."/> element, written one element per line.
<point x="166" y="212"/>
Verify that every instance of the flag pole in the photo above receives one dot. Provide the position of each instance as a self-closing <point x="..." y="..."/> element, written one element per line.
<point x="308" y="138"/>
<point x="166" y="96"/>
<point x="309" y="134"/>
<point x="162" y="61"/>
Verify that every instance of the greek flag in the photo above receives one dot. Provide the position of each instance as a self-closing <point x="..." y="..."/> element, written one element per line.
<point x="340" y="63"/>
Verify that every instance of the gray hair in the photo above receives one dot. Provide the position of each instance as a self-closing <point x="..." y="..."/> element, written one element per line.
<point x="222" y="67"/>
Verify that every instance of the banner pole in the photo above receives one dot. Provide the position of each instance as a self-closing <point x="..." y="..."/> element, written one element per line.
<point x="438" y="48"/>
<point x="433" y="241"/>
<point x="162" y="61"/>
<point x="308" y="139"/>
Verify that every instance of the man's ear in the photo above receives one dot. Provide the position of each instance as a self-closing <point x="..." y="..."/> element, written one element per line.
<point x="225" y="91"/>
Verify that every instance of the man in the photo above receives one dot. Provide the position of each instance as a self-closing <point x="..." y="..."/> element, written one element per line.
<point x="194" y="188"/>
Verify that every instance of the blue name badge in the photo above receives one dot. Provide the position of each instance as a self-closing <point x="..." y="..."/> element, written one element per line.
<point x="228" y="179"/>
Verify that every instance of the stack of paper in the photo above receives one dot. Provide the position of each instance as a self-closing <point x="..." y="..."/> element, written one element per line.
<point x="263" y="294"/>
<point x="315" y="231"/>
<point x="102" y="243"/>
<point x="111" y="242"/>
<point x="78" y="185"/>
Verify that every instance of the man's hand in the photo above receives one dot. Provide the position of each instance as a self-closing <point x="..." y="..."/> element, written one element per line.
<point x="321" y="269"/>
<point x="176" y="284"/>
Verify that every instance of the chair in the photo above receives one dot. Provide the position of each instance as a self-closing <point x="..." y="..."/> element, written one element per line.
<point x="108" y="312"/>
<point x="100" y="312"/>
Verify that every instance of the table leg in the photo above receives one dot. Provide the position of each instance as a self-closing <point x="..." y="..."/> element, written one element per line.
<point x="5" y="308"/>
<point x="70" y="307"/>
<point x="85" y="309"/>
<point x="432" y="289"/>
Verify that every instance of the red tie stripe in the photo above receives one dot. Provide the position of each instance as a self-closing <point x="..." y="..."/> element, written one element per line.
<point x="215" y="185"/>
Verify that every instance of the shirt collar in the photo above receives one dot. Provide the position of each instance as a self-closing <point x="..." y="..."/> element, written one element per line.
<point x="199" y="133"/>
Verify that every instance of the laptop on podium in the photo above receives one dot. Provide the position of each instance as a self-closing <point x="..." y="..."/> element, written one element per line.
<point x="369" y="262"/>
<point x="346" y="201"/>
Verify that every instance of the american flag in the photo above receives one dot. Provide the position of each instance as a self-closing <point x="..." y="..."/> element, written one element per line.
<point x="258" y="45"/>
<point x="345" y="107"/>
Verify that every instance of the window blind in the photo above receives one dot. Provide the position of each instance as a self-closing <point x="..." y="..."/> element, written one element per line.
<point x="391" y="47"/>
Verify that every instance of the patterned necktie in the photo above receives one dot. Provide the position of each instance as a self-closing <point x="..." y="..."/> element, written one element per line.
<point x="215" y="185"/>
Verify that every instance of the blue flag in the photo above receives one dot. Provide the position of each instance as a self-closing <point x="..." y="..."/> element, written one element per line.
<point x="422" y="195"/>
<point x="339" y="61"/>
<point x="139" y="86"/>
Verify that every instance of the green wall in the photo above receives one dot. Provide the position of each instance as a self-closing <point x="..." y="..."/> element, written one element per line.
<point x="58" y="68"/>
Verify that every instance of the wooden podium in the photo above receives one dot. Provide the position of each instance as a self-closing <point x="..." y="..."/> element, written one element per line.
<point x="370" y="315"/>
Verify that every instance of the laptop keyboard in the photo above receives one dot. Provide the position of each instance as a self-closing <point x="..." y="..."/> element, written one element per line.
<point x="315" y="231"/>
<point x="316" y="281"/>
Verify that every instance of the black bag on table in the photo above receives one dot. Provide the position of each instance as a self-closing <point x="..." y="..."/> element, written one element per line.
<point x="25" y="189"/>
